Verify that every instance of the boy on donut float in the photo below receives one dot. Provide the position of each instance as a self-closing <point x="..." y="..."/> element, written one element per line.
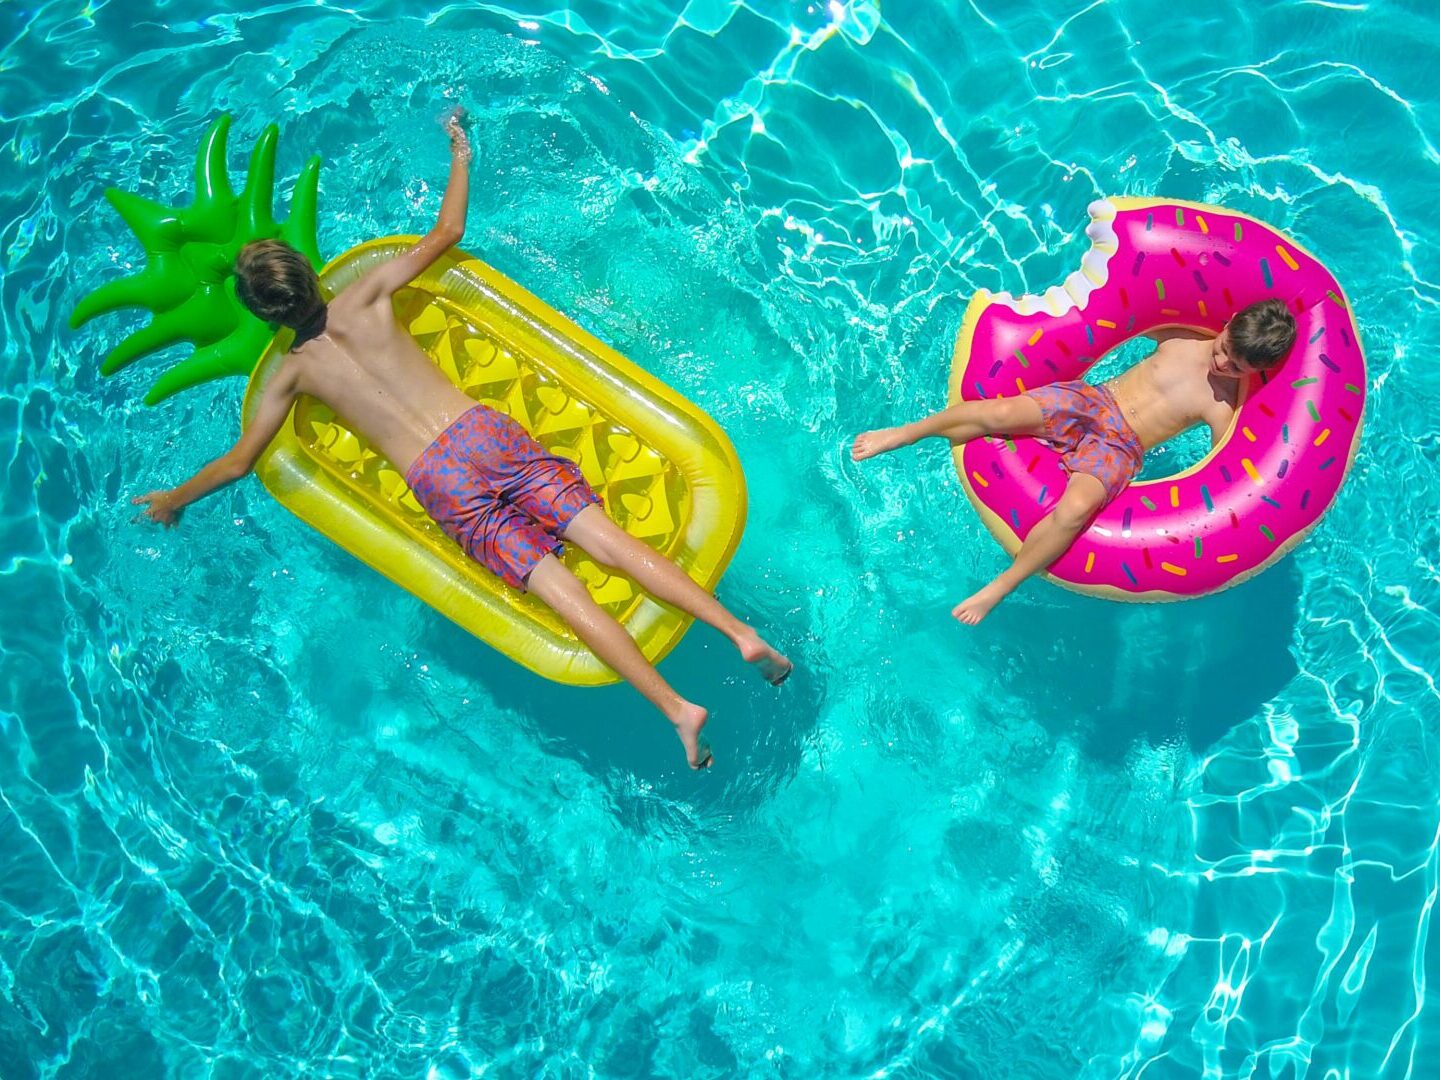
<point x="1102" y="432"/>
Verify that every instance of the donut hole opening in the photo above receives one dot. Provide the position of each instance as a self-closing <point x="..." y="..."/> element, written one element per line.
<point x="1173" y="456"/>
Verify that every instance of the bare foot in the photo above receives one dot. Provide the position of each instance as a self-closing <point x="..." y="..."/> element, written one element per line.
<point x="774" y="668"/>
<point x="971" y="611"/>
<point x="688" y="721"/>
<point x="870" y="443"/>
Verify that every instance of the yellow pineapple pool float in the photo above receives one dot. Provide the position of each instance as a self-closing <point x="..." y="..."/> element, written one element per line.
<point x="664" y="469"/>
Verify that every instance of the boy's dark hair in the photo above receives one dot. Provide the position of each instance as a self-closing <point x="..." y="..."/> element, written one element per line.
<point x="1262" y="334"/>
<point x="279" y="285"/>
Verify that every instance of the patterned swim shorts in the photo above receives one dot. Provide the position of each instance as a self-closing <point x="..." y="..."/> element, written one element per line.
<point x="498" y="493"/>
<point x="1085" y="424"/>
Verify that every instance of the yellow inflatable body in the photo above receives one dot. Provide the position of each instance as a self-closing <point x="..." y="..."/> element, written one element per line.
<point x="664" y="469"/>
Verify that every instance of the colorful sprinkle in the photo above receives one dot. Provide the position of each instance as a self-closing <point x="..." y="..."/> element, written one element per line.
<point x="995" y="468"/>
<point x="1265" y="532"/>
<point x="1124" y="298"/>
<point x="1320" y="439"/>
<point x="1199" y="547"/>
<point x="1265" y="270"/>
<point x="1298" y="383"/>
<point x="1149" y="562"/>
<point x="1130" y="325"/>
<point x="1265" y="409"/>
<point x="1135" y="266"/>
<point x="1178" y="571"/>
<point x="1129" y="573"/>
<point x="1200" y="218"/>
<point x="1239" y="235"/>
<point x="1345" y="415"/>
<point x="1145" y="502"/>
<point x="1149" y="222"/>
<point x="979" y="479"/>
<point x="1304" y="498"/>
<point x="1024" y="362"/>
<point x="1289" y="259"/>
<point x="1352" y="388"/>
<point x="1009" y="442"/>
<point x="1228" y="558"/>
<point x="1043" y="490"/>
<point x="1229" y="300"/>
<point x="1019" y="384"/>
<point x="1033" y="462"/>
<point x="1039" y="331"/>
<point x="1051" y="365"/>
<point x="1178" y="257"/>
<point x="1234" y="521"/>
<point x="1221" y="259"/>
<point x="1329" y="363"/>
<point x="1327" y="463"/>
<point x="1089" y="334"/>
<point x="1204" y="313"/>
<point x="995" y="367"/>
<point x="1345" y="334"/>
<point x="1248" y="433"/>
<point x="1224" y="474"/>
<point x="1316" y="336"/>
<point x="1159" y="289"/>
<point x="1125" y="521"/>
<point x="1106" y="323"/>
<point x="1200" y="280"/>
<point x="1015" y="518"/>
<point x="1179" y="215"/>
<point x="1063" y="347"/>
<point x="1209" y="502"/>
<point x="1338" y="301"/>
<point x="1089" y="561"/>
<point x="1314" y="412"/>
<point x="1250" y="468"/>
<point x="1284" y="468"/>
<point x="1285" y="433"/>
<point x="1174" y="494"/>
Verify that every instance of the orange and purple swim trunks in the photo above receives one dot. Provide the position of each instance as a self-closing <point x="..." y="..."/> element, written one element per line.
<point x="1085" y="424"/>
<point x="498" y="493"/>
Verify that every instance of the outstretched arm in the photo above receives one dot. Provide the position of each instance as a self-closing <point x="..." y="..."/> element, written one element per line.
<point x="380" y="283"/>
<point x="280" y="392"/>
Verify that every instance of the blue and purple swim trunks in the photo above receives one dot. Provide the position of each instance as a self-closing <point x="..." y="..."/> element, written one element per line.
<point x="1085" y="424"/>
<point x="498" y="493"/>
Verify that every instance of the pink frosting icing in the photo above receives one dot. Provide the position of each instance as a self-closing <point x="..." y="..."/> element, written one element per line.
<point x="1155" y="263"/>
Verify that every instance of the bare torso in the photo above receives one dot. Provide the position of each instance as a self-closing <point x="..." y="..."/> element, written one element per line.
<point x="366" y="368"/>
<point x="1175" y="388"/>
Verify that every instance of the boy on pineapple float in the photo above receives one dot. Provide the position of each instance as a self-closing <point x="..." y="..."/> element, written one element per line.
<point x="479" y="474"/>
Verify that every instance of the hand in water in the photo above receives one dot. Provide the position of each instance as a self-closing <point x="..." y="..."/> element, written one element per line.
<point x="159" y="507"/>
<point x="459" y="141"/>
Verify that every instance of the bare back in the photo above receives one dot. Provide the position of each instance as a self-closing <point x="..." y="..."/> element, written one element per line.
<point x="1175" y="388"/>
<point x="366" y="368"/>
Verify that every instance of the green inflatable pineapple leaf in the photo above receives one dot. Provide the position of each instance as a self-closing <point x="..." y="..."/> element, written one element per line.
<point x="189" y="282"/>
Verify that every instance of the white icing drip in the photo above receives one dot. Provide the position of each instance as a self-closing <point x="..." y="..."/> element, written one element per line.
<point x="1094" y="270"/>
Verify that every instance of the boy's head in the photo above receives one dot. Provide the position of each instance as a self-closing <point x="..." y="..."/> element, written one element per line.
<point x="1259" y="336"/>
<point x="278" y="284"/>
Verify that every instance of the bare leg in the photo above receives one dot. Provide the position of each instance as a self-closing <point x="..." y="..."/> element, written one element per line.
<point x="553" y="583"/>
<point x="613" y="547"/>
<point x="959" y="423"/>
<point x="1048" y="540"/>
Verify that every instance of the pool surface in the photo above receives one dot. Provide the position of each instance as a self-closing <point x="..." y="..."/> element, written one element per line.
<point x="263" y="814"/>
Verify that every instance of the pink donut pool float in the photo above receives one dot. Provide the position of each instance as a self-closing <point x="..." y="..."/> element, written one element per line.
<point x="1155" y="263"/>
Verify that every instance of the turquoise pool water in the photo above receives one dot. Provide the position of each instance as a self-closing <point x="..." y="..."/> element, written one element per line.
<point x="263" y="814"/>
